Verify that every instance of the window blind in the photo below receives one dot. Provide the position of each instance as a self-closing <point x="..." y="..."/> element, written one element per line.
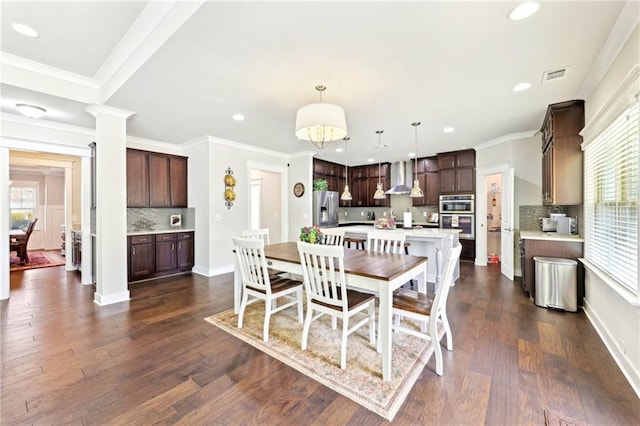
<point x="611" y="199"/>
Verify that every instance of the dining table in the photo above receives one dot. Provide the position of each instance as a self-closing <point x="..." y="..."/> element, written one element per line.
<point x="379" y="273"/>
<point x="20" y="237"/>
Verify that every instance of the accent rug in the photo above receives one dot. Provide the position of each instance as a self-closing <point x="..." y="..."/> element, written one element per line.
<point x="37" y="259"/>
<point x="361" y="381"/>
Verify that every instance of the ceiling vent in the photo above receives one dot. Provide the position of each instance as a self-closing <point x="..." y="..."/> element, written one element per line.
<point x="554" y="74"/>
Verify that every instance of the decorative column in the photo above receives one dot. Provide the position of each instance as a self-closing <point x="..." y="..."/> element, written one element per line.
<point x="111" y="204"/>
<point x="4" y="222"/>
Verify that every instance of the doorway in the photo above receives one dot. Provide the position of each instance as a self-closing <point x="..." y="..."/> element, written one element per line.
<point x="265" y="205"/>
<point x="495" y="235"/>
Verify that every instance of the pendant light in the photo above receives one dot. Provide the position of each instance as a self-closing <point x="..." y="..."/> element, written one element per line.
<point x="320" y="122"/>
<point x="379" y="194"/>
<point x="416" y="192"/>
<point x="346" y="195"/>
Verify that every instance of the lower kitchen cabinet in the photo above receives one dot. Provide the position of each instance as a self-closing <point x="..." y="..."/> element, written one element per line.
<point x="156" y="255"/>
<point x="468" y="249"/>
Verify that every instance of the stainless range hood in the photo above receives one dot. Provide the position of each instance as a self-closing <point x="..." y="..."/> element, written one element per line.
<point x="401" y="174"/>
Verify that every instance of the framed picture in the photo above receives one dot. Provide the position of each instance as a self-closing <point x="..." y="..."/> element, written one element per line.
<point x="176" y="220"/>
<point x="298" y="189"/>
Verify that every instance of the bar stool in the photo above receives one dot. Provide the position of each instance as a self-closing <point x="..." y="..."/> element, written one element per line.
<point x="359" y="242"/>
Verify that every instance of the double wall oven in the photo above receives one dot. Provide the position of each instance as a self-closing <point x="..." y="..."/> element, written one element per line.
<point x="458" y="212"/>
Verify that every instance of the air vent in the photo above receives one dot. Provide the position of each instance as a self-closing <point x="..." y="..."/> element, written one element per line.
<point x="554" y="74"/>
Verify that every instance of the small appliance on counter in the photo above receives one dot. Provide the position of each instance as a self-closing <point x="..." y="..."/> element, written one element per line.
<point x="433" y="217"/>
<point x="406" y="220"/>
<point x="567" y="225"/>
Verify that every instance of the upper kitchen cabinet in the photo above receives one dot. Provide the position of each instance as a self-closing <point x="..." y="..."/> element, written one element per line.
<point x="333" y="173"/>
<point x="429" y="179"/>
<point x="156" y="180"/>
<point x="137" y="178"/>
<point x="561" y="153"/>
<point x="457" y="172"/>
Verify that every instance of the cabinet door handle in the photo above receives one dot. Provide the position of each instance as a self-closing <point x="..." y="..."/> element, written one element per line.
<point x="134" y="251"/>
<point x="179" y="246"/>
<point x="172" y="246"/>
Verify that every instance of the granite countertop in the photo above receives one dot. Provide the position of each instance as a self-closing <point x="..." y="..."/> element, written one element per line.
<point x="158" y="231"/>
<point x="549" y="236"/>
<point x="398" y="223"/>
<point x="417" y="233"/>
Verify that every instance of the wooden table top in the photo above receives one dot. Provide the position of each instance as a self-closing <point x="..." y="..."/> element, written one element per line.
<point x="383" y="266"/>
<point x="16" y="233"/>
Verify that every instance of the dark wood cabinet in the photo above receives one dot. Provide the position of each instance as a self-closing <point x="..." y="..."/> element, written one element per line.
<point x="156" y="180"/>
<point x="468" y="250"/>
<point x="457" y="172"/>
<point x="152" y="256"/>
<point x="562" y="167"/>
<point x="141" y="257"/>
<point x="137" y="178"/>
<point x="429" y="179"/>
<point x="549" y="248"/>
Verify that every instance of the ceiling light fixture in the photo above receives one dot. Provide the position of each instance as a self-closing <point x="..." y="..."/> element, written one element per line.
<point x="31" y="111"/>
<point x="379" y="194"/>
<point x="24" y="29"/>
<point x="416" y="192"/>
<point x="524" y="10"/>
<point x="520" y="87"/>
<point x="346" y="194"/>
<point x="321" y="123"/>
<point x="449" y="129"/>
<point x="238" y="117"/>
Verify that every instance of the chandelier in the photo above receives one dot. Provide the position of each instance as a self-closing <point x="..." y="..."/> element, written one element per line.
<point x="320" y="122"/>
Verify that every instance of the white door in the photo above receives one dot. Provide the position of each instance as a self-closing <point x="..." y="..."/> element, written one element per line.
<point x="506" y="246"/>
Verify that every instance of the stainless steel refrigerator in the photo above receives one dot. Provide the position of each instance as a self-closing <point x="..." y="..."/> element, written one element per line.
<point x="325" y="208"/>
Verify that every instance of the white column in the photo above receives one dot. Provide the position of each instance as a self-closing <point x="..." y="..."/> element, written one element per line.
<point x="85" y="212"/>
<point x="68" y="221"/>
<point x="4" y="223"/>
<point x="111" y="204"/>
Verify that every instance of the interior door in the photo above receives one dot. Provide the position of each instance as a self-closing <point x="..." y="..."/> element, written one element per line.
<point x="506" y="243"/>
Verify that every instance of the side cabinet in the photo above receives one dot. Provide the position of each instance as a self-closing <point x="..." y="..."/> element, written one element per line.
<point x="141" y="257"/>
<point x="156" y="180"/>
<point x="157" y="255"/>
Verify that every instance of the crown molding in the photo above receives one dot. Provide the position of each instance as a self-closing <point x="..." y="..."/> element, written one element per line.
<point x="154" y="145"/>
<point x="224" y="142"/>
<point x="96" y="110"/>
<point x="506" y="138"/>
<point x="47" y="70"/>
<point x="623" y="28"/>
<point x="46" y="124"/>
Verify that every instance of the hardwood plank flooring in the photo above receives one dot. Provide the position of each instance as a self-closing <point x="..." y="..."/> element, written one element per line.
<point x="155" y="360"/>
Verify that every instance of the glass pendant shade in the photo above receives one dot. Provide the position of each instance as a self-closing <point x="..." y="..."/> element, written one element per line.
<point x="346" y="195"/>
<point x="416" y="192"/>
<point x="379" y="194"/>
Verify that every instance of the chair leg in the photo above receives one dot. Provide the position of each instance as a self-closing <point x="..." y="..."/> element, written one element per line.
<point x="243" y="306"/>
<point x="307" y="325"/>
<point x="334" y="322"/>
<point x="300" y="309"/>
<point x="435" y="341"/>
<point x="372" y="322"/>
<point x="343" y="346"/>
<point x="267" y="317"/>
<point x="447" y="331"/>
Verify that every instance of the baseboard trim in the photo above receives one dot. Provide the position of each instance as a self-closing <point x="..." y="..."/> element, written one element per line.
<point x="109" y="299"/>
<point x="632" y="376"/>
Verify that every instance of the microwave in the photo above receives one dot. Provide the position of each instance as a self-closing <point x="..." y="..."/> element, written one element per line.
<point x="463" y="203"/>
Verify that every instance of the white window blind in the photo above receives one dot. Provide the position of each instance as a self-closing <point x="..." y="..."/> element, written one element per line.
<point x="611" y="199"/>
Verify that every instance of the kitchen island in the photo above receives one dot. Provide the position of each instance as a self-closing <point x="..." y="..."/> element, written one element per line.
<point x="434" y="243"/>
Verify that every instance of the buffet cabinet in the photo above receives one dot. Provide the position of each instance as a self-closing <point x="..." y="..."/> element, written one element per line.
<point x="156" y="255"/>
<point x="561" y="153"/>
<point x="155" y="179"/>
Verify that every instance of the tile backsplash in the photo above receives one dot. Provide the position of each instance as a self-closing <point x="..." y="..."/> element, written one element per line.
<point x="530" y="215"/>
<point x="159" y="219"/>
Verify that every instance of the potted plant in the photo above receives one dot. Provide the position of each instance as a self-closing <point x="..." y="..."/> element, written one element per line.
<point x="320" y="185"/>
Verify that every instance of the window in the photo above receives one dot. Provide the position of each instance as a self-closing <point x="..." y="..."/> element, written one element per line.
<point x="22" y="204"/>
<point x="611" y="198"/>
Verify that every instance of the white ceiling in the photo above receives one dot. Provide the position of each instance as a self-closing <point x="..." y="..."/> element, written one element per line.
<point x="185" y="68"/>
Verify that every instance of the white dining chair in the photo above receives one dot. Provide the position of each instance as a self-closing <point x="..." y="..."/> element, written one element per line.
<point x="386" y="241"/>
<point x="333" y="236"/>
<point x="258" y="285"/>
<point x="327" y="293"/>
<point x="429" y="312"/>
<point x="262" y="233"/>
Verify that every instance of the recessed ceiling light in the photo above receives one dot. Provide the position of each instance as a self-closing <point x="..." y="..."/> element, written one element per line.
<point x="370" y="160"/>
<point x="412" y="154"/>
<point x="521" y="86"/>
<point x="31" y="111"/>
<point x="524" y="10"/>
<point x="339" y="149"/>
<point x="449" y="129"/>
<point x="238" y="117"/>
<point x="24" y="29"/>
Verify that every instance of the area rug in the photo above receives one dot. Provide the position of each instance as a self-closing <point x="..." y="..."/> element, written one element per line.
<point x="361" y="381"/>
<point x="37" y="259"/>
<point x="551" y="418"/>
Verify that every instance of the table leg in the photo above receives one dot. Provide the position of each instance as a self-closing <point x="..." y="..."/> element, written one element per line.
<point x="384" y="326"/>
<point x="237" y="285"/>
<point x="438" y="268"/>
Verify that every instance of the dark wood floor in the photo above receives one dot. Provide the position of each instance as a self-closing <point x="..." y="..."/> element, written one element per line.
<point x="155" y="360"/>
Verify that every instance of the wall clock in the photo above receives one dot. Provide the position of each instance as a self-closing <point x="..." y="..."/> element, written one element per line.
<point x="298" y="189"/>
